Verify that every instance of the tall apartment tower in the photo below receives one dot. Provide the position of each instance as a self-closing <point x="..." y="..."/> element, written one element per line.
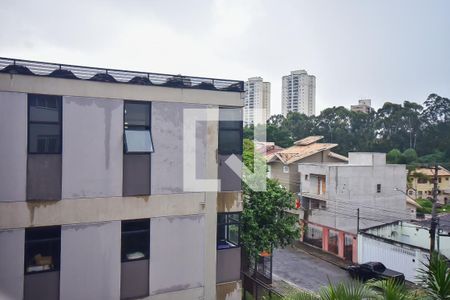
<point x="299" y="93"/>
<point x="257" y="96"/>
<point x="93" y="198"/>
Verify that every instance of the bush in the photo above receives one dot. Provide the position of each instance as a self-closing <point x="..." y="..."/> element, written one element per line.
<point x="393" y="156"/>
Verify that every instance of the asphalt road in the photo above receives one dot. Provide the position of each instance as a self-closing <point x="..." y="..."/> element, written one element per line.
<point x="304" y="270"/>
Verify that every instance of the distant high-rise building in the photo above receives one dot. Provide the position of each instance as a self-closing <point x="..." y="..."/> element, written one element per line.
<point x="257" y="96"/>
<point x="364" y="105"/>
<point x="299" y="93"/>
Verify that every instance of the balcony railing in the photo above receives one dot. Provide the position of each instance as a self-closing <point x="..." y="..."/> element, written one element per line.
<point x="34" y="68"/>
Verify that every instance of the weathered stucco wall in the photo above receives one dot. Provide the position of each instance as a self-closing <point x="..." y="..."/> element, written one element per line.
<point x="92" y="147"/>
<point x="177" y="253"/>
<point x="228" y="265"/>
<point x="167" y="160"/>
<point x="12" y="246"/>
<point x="13" y="146"/>
<point x="90" y="261"/>
<point x="355" y="186"/>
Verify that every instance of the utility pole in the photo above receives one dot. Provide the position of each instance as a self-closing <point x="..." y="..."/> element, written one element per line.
<point x="357" y="221"/>
<point x="433" y="211"/>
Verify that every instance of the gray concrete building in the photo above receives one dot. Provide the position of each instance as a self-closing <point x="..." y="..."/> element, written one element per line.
<point x="332" y="193"/>
<point x="92" y="196"/>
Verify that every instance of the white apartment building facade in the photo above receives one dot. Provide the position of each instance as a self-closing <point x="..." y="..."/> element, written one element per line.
<point x="257" y="97"/>
<point x="299" y="93"/>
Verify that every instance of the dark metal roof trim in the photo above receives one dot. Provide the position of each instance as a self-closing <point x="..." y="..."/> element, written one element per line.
<point x="35" y="68"/>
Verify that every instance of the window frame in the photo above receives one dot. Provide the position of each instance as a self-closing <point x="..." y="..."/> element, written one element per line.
<point x="137" y="127"/>
<point x="285" y="167"/>
<point x="59" y="122"/>
<point x="28" y="241"/>
<point x="378" y="188"/>
<point x="226" y="226"/>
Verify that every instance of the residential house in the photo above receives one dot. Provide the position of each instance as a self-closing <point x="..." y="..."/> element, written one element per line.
<point x="283" y="164"/>
<point x="93" y="201"/>
<point x="402" y="245"/>
<point x="337" y="199"/>
<point x="421" y="184"/>
<point x="267" y="149"/>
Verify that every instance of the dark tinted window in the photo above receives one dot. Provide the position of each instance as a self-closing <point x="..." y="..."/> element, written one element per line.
<point x="379" y="267"/>
<point x="137" y="114"/>
<point x="44" y="124"/>
<point x="135" y="239"/>
<point x="230" y="142"/>
<point x="137" y="134"/>
<point x="228" y="230"/>
<point x="42" y="249"/>
<point x="230" y="131"/>
<point x="44" y="138"/>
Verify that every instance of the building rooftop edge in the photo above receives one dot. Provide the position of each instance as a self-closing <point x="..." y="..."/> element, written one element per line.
<point x="77" y="72"/>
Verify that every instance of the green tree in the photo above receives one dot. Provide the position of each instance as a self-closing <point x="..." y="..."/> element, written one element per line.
<point x="394" y="156"/>
<point x="435" y="277"/>
<point x="249" y="132"/>
<point x="409" y="156"/>
<point x="265" y="222"/>
<point x="278" y="132"/>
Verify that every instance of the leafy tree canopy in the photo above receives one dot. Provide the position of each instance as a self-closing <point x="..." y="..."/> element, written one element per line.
<point x="265" y="222"/>
<point x="408" y="127"/>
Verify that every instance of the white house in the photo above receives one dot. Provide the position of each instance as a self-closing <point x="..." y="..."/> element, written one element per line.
<point x="402" y="246"/>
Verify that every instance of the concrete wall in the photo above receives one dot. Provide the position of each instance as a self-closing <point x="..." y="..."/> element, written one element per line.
<point x="90" y="261"/>
<point x="229" y="180"/>
<point x="411" y="234"/>
<point x="84" y="88"/>
<point x="355" y="186"/>
<point x="228" y="265"/>
<point x="13" y="148"/>
<point x="167" y="160"/>
<point x="136" y="174"/>
<point x="177" y="253"/>
<point x="92" y="147"/>
<point x="366" y="158"/>
<point x="12" y="247"/>
<point x="401" y="258"/>
<point x="229" y="291"/>
<point x="85" y="210"/>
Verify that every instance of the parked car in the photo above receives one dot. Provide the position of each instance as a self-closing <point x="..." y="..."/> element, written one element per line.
<point x="374" y="270"/>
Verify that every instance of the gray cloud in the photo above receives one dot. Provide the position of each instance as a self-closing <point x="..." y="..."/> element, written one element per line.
<point x="384" y="50"/>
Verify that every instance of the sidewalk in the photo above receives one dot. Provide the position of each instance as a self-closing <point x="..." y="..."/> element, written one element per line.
<point x="328" y="257"/>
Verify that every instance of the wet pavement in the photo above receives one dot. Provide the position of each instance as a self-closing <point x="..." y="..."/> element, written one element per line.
<point x="305" y="270"/>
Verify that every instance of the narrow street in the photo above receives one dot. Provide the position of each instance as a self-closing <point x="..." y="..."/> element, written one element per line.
<point x="304" y="270"/>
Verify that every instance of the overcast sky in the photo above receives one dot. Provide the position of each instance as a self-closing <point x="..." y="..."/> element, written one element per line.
<point x="386" y="50"/>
